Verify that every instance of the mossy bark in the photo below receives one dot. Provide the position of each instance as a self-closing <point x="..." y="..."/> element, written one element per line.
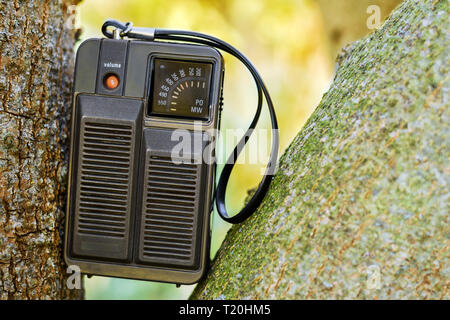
<point x="36" y="64"/>
<point x="359" y="207"/>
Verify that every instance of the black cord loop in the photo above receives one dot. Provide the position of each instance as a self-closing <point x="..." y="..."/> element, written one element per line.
<point x="204" y="39"/>
<point x="123" y="27"/>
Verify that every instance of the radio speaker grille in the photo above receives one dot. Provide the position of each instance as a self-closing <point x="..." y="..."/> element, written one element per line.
<point x="169" y="207"/>
<point x="102" y="197"/>
<point x="104" y="176"/>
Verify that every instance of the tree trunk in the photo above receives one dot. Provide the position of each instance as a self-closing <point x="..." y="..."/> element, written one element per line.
<point x="36" y="62"/>
<point x="359" y="206"/>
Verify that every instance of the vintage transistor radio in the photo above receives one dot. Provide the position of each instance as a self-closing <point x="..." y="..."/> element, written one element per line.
<point x="135" y="209"/>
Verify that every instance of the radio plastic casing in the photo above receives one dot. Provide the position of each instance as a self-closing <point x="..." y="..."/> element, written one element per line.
<point x="131" y="211"/>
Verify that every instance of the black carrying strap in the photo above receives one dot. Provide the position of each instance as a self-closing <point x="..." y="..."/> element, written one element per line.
<point x="127" y="30"/>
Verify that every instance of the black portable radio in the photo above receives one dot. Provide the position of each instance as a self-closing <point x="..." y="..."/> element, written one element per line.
<point x="135" y="208"/>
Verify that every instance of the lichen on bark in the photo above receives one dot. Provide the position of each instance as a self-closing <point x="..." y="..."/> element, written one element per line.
<point x="359" y="206"/>
<point x="36" y="64"/>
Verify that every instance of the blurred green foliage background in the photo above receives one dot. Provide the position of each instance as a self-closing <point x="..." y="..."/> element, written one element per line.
<point x="286" y="41"/>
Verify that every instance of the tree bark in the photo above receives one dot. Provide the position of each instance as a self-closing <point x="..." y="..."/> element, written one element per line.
<point x="36" y="64"/>
<point x="359" y="206"/>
